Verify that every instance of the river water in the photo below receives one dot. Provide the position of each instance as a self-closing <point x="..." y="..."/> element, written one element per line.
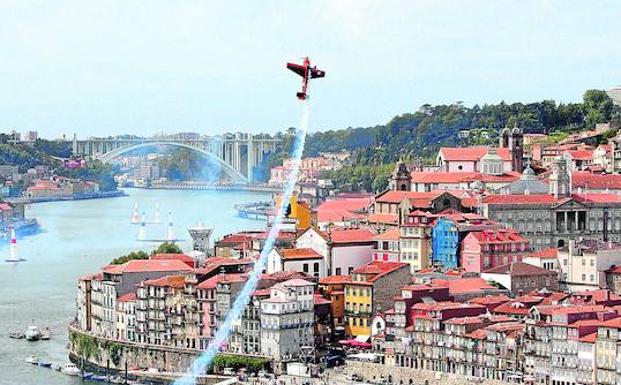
<point x="79" y="237"/>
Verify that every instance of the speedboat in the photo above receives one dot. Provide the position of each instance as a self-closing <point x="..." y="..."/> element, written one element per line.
<point x="70" y="369"/>
<point x="16" y="335"/>
<point x="32" y="360"/>
<point x="46" y="334"/>
<point x="33" y="333"/>
<point x="45" y="364"/>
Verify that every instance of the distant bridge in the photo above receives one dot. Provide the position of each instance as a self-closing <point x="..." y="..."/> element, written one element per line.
<point x="236" y="154"/>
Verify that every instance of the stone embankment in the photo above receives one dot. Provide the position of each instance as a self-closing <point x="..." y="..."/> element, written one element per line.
<point x="372" y="371"/>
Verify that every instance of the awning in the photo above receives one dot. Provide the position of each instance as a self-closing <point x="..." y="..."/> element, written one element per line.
<point x="362" y="338"/>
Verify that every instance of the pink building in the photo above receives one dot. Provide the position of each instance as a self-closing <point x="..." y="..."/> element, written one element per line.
<point x="386" y="246"/>
<point x="206" y="300"/>
<point x="483" y="250"/>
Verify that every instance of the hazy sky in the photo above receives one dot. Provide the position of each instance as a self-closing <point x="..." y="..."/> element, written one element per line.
<point x="108" y="67"/>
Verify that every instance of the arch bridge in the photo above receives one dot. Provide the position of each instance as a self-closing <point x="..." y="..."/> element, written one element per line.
<point x="236" y="154"/>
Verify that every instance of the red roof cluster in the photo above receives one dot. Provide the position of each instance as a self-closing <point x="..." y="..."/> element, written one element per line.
<point x="147" y="265"/>
<point x="353" y="235"/>
<point x="473" y="153"/>
<point x="174" y="281"/>
<point x="298" y="254"/>
<point x="498" y="236"/>
<point x="587" y="181"/>
<point x="376" y="269"/>
<point x="461" y="177"/>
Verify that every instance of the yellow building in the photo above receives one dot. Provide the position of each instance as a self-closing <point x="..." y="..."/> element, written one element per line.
<point x="371" y="290"/>
<point x="298" y="211"/>
<point x="415" y="240"/>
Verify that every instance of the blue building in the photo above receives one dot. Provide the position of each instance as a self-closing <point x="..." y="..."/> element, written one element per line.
<point x="444" y="244"/>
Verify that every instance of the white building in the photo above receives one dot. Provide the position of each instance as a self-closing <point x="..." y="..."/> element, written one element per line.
<point x="583" y="264"/>
<point x="126" y="317"/>
<point x="343" y="250"/>
<point x="287" y="319"/>
<point x="299" y="259"/>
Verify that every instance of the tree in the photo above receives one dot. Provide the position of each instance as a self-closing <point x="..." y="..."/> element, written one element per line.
<point x="598" y="107"/>
<point x="167" y="248"/>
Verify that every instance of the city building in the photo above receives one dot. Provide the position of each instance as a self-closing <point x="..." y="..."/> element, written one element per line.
<point x="372" y="289"/>
<point x="415" y="240"/>
<point x="343" y="249"/>
<point x="306" y="260"/>
<point x="468" y="159"/>
<point x="333" y="288"/>
<point x="550" y="220"/>
<point x="487" y="249"/>
<point x="386" y="246"/>
<point x="520" y="277"/>
<point x="287" y="318"/>
<point x="583" y="264"/>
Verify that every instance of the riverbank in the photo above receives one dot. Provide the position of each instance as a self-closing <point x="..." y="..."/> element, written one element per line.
<point x="76" y="238"/>
<point x="198" y="185"/>
<point x="113" y="357"/>
<point x="42" y="199"/>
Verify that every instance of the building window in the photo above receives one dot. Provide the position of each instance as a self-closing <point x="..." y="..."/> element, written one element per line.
<point x="316" y="269"/>
<point x="305" y="267"/>
<point x="584" y="277"/>
<point x="592" y="278"/>
<point x="337" y="271"/>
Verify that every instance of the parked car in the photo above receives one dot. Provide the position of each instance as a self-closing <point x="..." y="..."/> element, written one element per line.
<point x="228" y="372"/>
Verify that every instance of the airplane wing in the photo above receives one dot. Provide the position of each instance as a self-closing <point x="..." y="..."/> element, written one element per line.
<point x="315" y="73"/>
<point x="298" y="69"/>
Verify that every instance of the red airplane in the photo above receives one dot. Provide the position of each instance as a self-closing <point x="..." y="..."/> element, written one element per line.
<point x="306" y="72"/>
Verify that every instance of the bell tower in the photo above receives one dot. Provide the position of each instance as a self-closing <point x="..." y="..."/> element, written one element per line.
<point x="400" y="179"/>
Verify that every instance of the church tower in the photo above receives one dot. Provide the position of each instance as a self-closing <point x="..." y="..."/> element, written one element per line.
<point x="560" y="179"/>
<point x="503" y="141"/>
<point x="516" y="149"/>
<point x="400" y="179"/>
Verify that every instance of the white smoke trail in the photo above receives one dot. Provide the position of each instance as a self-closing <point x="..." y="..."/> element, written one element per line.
<point x="223" y="333"/>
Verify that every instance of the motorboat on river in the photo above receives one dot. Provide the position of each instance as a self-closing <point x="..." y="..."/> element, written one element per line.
<point x="70" y="369"/>
<point x="33" y="333"/>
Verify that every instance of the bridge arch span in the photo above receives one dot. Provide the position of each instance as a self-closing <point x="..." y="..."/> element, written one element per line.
<point x="235" y="175"/>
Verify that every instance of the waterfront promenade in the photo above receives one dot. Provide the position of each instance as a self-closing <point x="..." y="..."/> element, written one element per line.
<point x="200" y="185"/>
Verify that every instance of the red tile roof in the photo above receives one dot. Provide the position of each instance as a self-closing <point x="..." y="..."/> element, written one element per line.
<point x="519" y="269"/>
<point x="320" y="300"/>
<point x="464" y="285"/>
<point x="515" y="199"/>
<point x="461" y="177"/>
<point x="589" y="338"/>
<point x="181" y="257"/>
<point x="147" y="265"/>
<point x="341" y="209"/>
<point x="174" y="281"/>
<point x="376" y="269"/>
<point x="473" y="153"/>
<point x="382" y="218"/>
<point x="580" y="154"/>
<point x="390" y="235"/>
<point x="298" y="254"/>
<point x="613" y="323"/>
<point x="212" y="282"/>
<point x="597" y="198"/>
<point x="587" y="181"/>
<point x="550" y="253"/>
<point x="513" y="307"/>
<point x="351" y="235"/>
<point x="335" y="280"/>
<point x="490" y="299"/>
<point x="129" y="297"/>
<point x="498" y="236"/>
